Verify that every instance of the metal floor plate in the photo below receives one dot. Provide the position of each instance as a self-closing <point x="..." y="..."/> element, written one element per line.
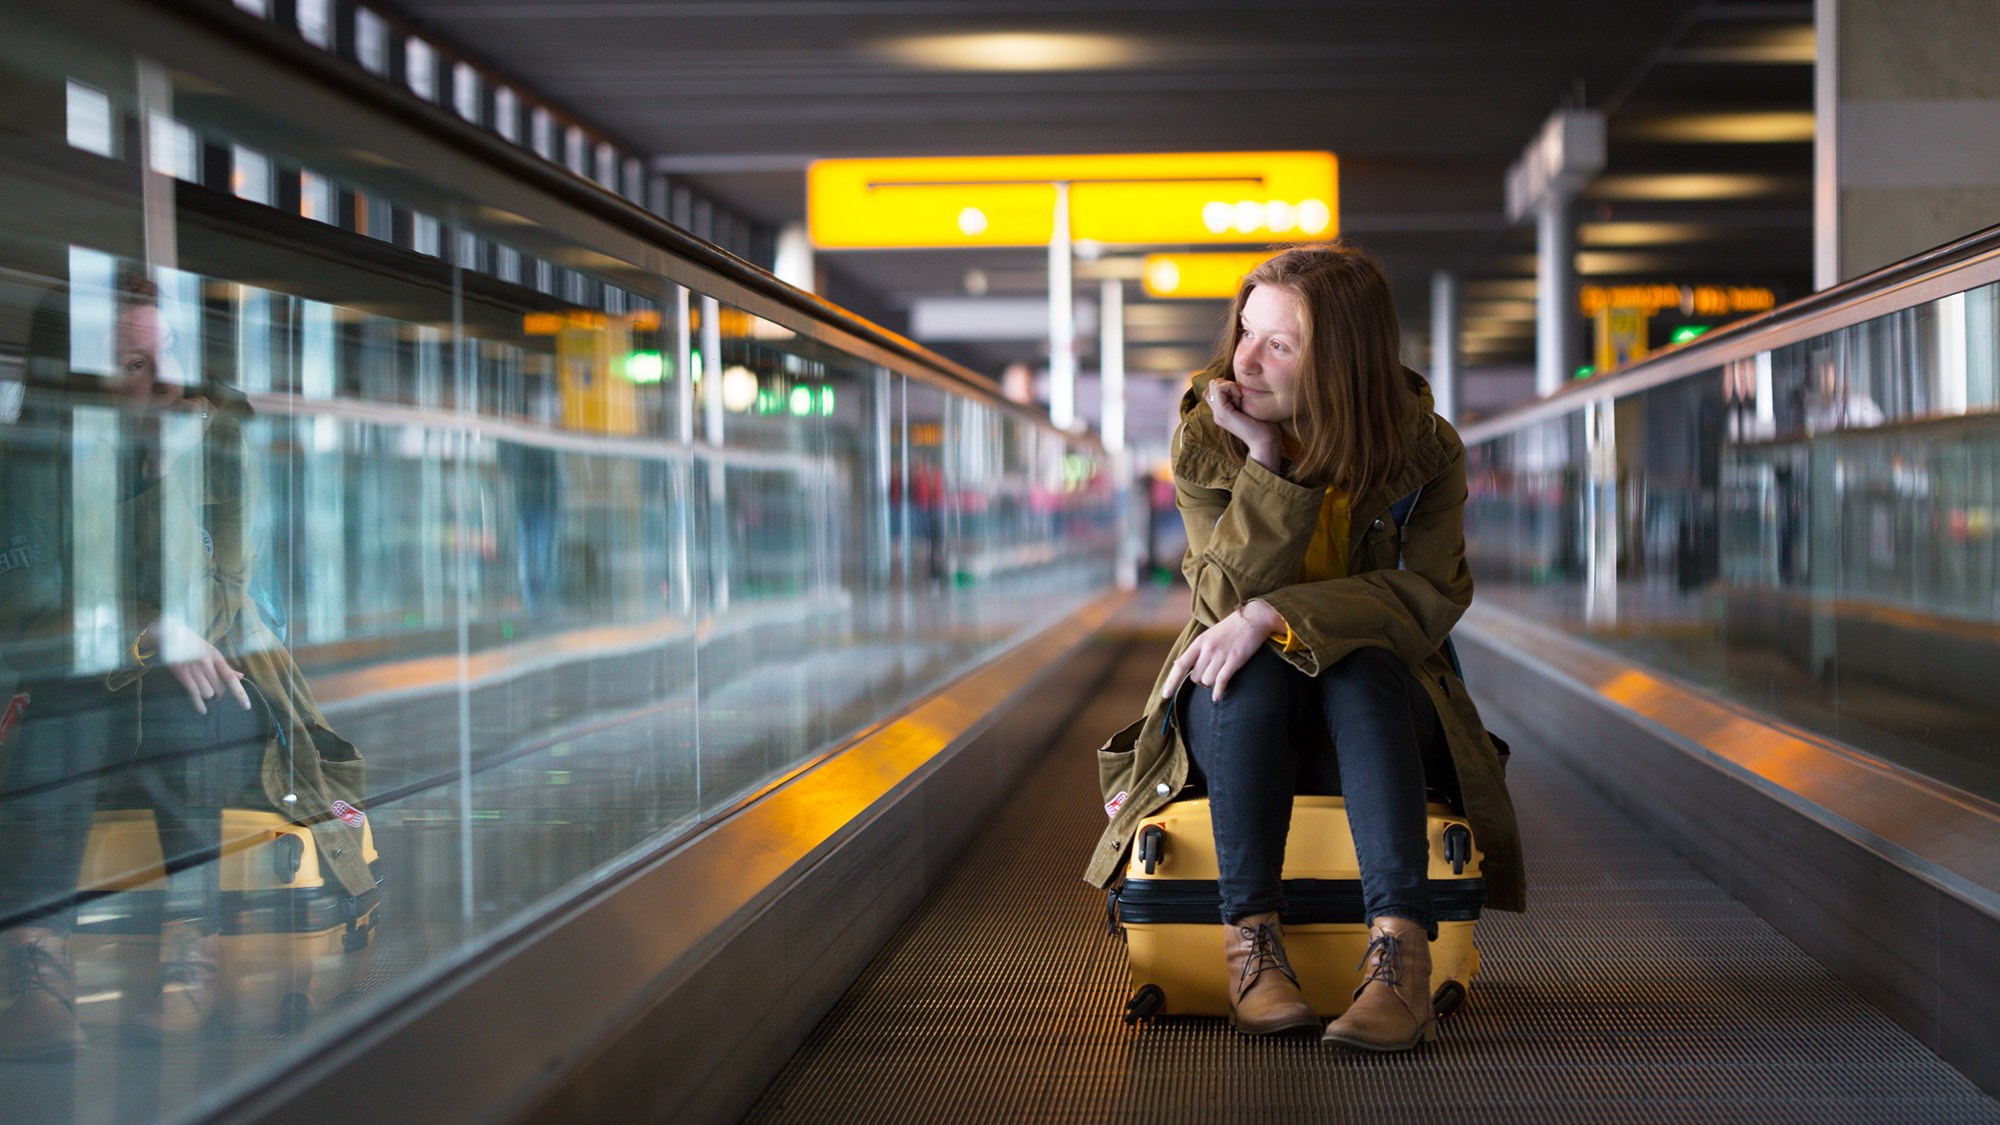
<point x="1635" y="991"/>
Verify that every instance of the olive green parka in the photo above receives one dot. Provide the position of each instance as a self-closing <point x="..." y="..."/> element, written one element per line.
<point x="192" y="525"/>
<point x="1248" y="530"/>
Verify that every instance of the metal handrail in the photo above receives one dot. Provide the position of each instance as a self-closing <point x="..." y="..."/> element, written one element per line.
<point x="1860" y="298"/>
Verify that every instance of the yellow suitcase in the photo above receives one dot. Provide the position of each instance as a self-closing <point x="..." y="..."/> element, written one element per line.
<point x="292" y="940"/>
<point x="1168" y="910"/>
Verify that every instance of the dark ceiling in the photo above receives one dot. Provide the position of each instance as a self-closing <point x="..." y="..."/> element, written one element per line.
<point x="1426" y="102"/>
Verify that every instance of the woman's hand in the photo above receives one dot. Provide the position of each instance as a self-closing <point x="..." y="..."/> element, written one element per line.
<point x="1225" y="401"/>
<point x="1212" y="658"/>
<point x="197" y="664"/>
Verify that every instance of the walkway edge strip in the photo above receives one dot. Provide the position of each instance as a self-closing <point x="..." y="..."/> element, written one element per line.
<point x="1948" y="838"/>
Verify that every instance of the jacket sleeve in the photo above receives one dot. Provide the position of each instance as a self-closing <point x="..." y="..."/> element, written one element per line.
<point x="1244" y="540"/>
<point x="231" y="487"/>
<point x="1408" y="611"/>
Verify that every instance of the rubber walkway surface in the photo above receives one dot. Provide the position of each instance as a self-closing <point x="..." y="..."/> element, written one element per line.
<point x="1636" y="990"/>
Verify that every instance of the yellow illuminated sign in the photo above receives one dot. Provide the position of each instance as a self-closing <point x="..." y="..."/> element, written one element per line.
<point x="1621" y="337"/>
<point x="1199" y="275"/>
<point x="1206" y="197"/>
<point x="1689" y="300"/>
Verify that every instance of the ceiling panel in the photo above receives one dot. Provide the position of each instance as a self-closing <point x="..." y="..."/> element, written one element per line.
<point x="1425" y="101"/>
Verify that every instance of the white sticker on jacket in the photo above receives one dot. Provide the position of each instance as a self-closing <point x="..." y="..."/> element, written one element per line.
<point x="1116" y="803"/>
<point x="348" y="814"/>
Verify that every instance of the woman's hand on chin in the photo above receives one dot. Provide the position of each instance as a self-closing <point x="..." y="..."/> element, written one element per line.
<point x="1214" y="657"/>
<point x="1225" y="401"/>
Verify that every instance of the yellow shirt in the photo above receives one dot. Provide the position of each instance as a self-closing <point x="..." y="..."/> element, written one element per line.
<point x="1326" y="555"/>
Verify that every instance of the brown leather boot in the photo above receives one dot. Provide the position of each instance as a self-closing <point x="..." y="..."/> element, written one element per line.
<point x="1264" y="996"/>
<point x="187" y="986"/>
<point x="39" y="1020"/>
<point x="1392" y="1008"/>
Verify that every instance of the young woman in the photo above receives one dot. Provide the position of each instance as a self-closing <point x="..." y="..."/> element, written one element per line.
<point x="200" y="708"/>
<point x="1313" y="662"/>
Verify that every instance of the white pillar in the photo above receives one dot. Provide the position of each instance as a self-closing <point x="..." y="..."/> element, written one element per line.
<point x="1111" y="382"/>
<point x="794" y="261"/>
<point x="1556" y="322"/>
<point x="718" y="483"/>
<point x="1111" y="360"/>
<point x="1062" y="319"/>
<point x="1562" y="158"/>
<point x="1445" y="375"/>
<point x="1826" y="144"/>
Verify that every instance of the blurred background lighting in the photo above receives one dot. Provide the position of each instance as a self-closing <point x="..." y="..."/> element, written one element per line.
<point x="739" y="389"/>
<point x="1015" y="51"/>
<point x="645" y="367"/>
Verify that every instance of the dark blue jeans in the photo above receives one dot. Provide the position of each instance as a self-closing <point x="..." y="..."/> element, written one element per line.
<point x="1364" y="729"/>
<point x="81" y="747"/>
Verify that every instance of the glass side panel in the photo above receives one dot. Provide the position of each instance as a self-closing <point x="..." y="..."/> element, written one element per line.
<point x="527" y="557"/>
<point x="1810" y="530"/>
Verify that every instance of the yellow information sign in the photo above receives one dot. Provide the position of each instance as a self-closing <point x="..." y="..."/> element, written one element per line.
<point x="1196" y="276"/>
<point x="1621" y="337"/>
<point x="1153" y="198"/>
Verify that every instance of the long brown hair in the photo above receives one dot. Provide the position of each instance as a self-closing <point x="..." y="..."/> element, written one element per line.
<point x="1350" y="394"/>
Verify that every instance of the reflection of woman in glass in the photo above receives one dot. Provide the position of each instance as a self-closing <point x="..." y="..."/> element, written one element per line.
<point x="1827" y="402"/>
<point x="1313" y="661"/>
<point x="203" y="708"/>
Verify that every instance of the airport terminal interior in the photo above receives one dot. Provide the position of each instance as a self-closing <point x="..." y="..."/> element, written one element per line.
<point x="599" y="561"/>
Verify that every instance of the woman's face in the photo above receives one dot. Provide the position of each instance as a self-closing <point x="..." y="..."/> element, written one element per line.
<point x="147" y="370"/>
<point x="1267" y="354"/>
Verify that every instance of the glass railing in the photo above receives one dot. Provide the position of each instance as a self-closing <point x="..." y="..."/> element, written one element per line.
<point x="538" y="534"/>
<point x="1802" y="514"/>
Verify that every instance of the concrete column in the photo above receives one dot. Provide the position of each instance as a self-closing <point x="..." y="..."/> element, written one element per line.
<point x="1907" y="152"/>
<point x="1445" y="373"/>
<point x="1556" y="317"/>
<point x="1062" y="319"/>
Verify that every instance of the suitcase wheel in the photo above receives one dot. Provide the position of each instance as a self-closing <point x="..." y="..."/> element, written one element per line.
<point x="1449" y="996"/>
<point x="1152" y="846"/>
<point x="294" y="1012"/>
<point x="1144" y="1004"/>
<point x="1457" y="847"/>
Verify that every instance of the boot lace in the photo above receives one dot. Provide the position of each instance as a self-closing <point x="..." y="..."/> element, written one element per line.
<point x="188" y="966"/>
<point x="1266" y="952"/>
<point x="31" y="967"/>
<point x="1386" y="951"/>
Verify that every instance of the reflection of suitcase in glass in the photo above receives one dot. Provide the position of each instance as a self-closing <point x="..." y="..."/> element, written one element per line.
<point x="1169" y="910"/>
<point x="292" y="938"/>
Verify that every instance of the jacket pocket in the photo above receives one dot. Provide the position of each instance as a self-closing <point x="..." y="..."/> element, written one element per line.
<point x="1115" y="764"/>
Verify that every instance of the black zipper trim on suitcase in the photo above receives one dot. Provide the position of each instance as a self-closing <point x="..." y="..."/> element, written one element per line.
<point x="1142" y="902"/>
<point x="278" y="910"/>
